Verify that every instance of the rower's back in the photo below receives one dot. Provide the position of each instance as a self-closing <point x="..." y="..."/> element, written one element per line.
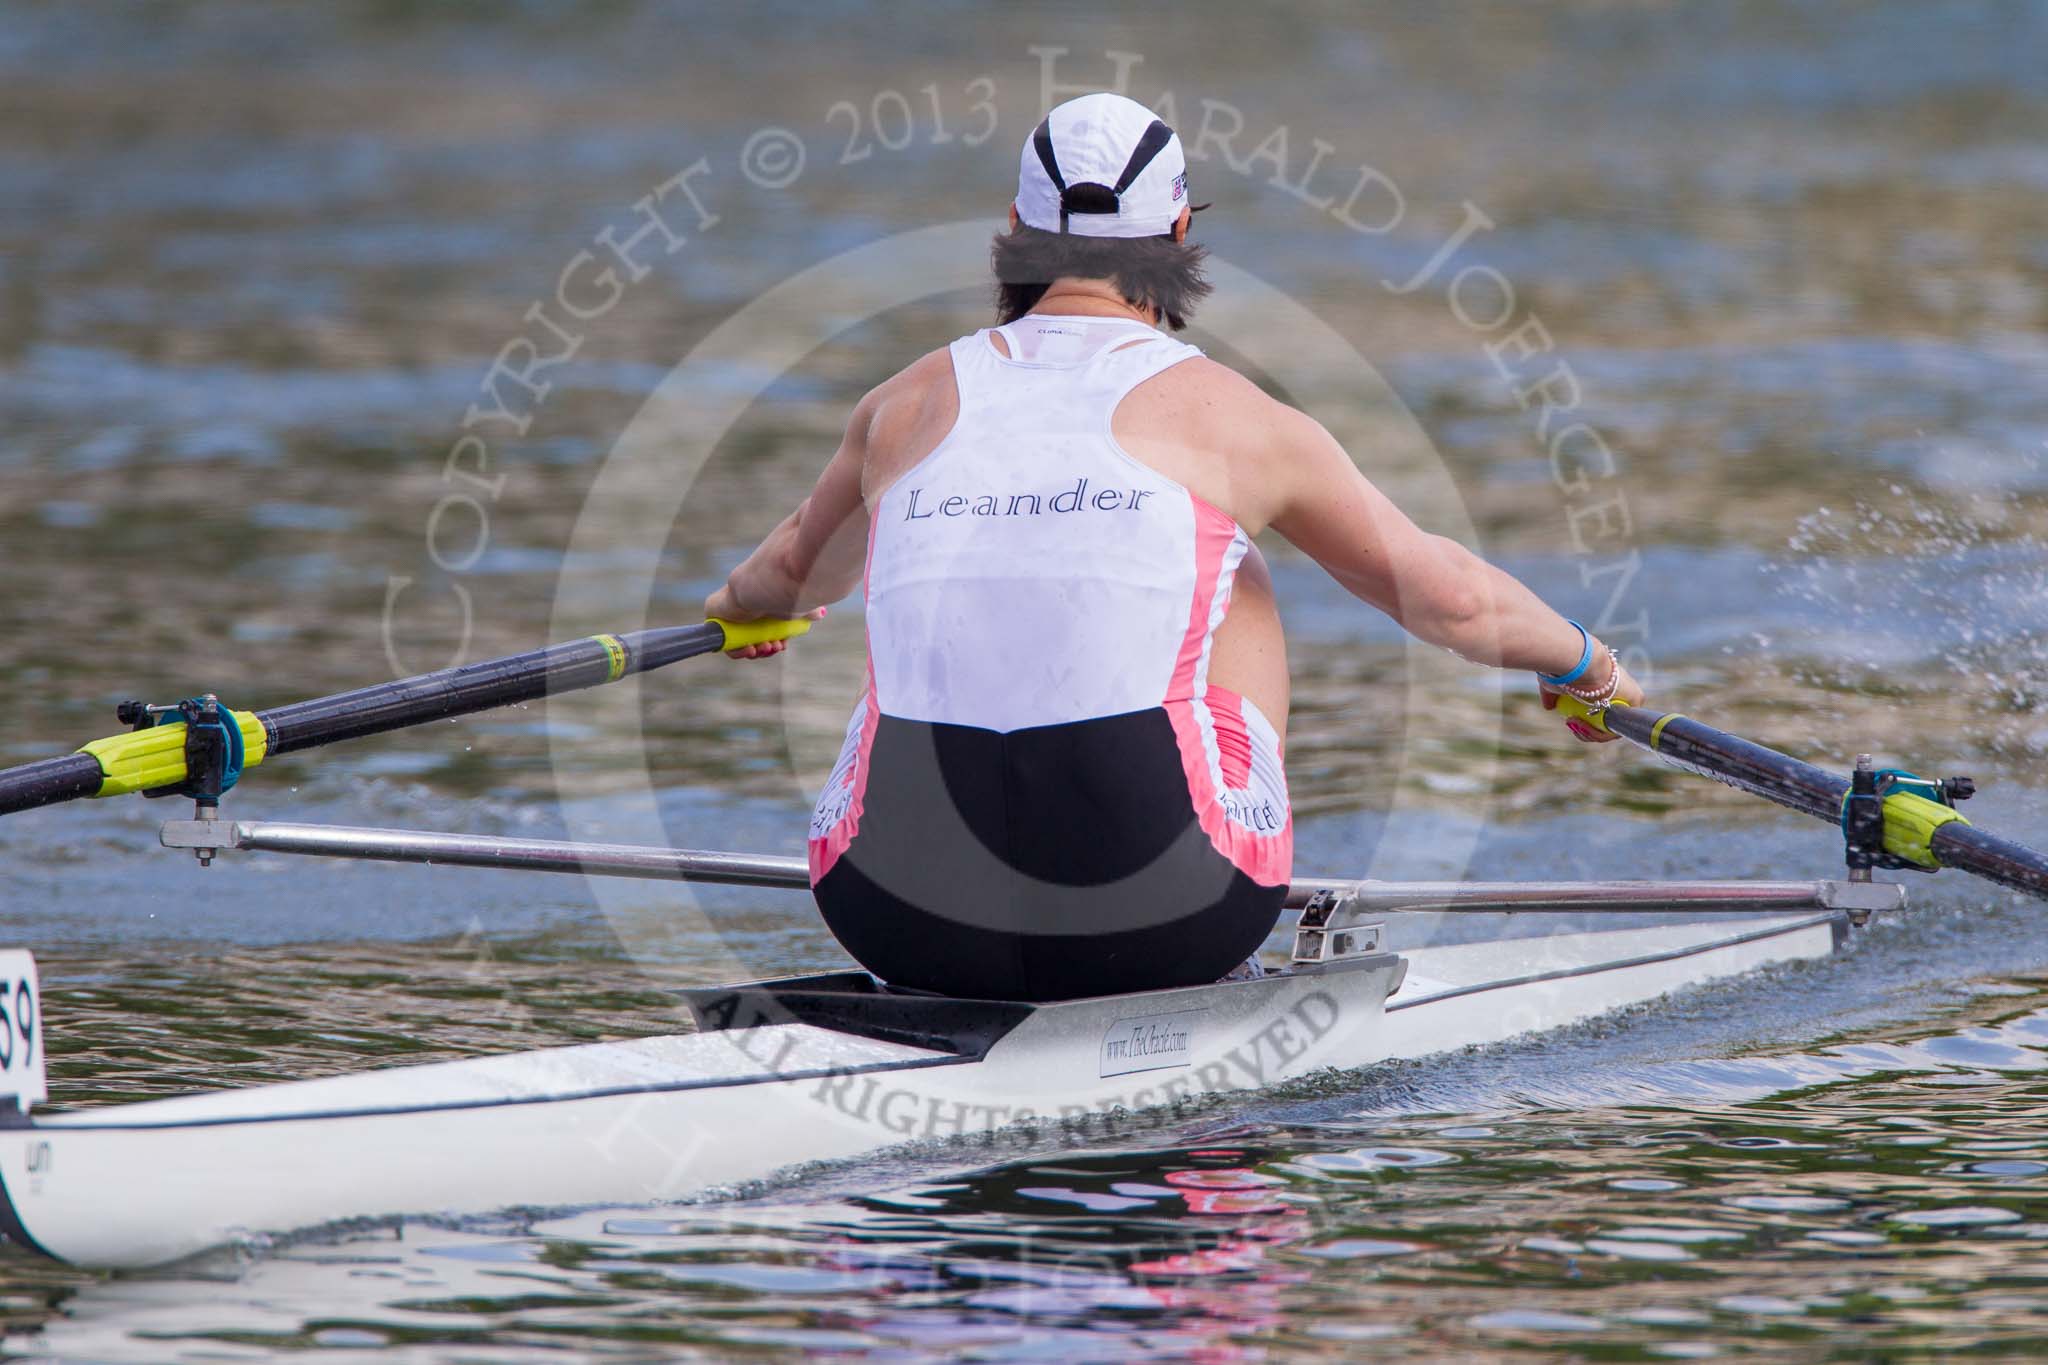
<point x="1041" y="794"/>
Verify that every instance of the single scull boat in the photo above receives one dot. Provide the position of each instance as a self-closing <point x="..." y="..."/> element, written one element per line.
<point x="781" y="1074"/>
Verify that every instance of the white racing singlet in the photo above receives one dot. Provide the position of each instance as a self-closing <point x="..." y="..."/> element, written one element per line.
<point x="1029" y="572"/>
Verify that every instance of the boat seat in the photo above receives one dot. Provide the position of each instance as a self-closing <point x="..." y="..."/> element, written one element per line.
<point x="857" y="1003"/>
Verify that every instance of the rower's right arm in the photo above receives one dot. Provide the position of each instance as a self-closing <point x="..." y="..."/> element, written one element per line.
<point x="816" y="555"/>
<point x="1435" y="588"/>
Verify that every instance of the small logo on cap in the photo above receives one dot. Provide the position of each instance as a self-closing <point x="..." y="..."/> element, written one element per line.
<point x="1180" y="187"/>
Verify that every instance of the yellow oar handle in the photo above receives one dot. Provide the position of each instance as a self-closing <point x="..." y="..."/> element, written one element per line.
<point x="740" y="634"/>
<point x="144" y="760"/>
<point x="1571" y="708"/>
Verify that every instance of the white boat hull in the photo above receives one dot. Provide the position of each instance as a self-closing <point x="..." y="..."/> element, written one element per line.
<point x="670" y="1117"/>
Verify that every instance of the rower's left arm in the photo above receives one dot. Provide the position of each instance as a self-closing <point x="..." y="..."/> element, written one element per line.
<point x="815" y="555"/>
<point x="1435" y="588"/>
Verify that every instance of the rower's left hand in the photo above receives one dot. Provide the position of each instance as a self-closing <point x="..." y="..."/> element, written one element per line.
<point x="1630" y="693"/>
<point x="725" y="607"/>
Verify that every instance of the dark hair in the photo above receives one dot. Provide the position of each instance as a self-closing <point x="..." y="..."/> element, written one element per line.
<point x="1150" y="272"/>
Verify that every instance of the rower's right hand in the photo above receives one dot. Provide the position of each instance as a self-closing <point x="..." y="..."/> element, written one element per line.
<point x="723" y="606"/>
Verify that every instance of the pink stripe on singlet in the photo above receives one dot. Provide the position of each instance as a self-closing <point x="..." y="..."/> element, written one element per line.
<point x="826" y="851"/>
<point x="1267" y="859"/>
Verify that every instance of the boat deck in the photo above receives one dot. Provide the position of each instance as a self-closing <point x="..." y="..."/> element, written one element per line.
<point x="726" y="1056"/>
<point x="587" y="1070"/>
<point x="1499" y="964"/>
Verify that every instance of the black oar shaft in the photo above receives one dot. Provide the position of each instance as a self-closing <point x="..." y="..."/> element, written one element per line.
<point x="48" y="781"/>
<point x="481" y="686"/>
<point x="2000" y="860"/>
<point x="1734" y="760"/>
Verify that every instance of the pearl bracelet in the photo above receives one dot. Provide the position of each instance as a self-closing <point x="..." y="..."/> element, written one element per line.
<point x="1598" y="699"/>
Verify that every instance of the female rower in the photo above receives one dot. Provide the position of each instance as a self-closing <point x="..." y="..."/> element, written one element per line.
<point x="1064" y="775"/>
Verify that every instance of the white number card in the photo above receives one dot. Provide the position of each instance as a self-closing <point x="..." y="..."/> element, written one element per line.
<point x="21" y="1030"/>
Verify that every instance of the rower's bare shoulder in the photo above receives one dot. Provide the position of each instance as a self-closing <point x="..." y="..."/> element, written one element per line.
<point x="932" y="370"/>
<point x="1234" y="411"/>
<point x="914" y="397"/>
<point x="903" y="419"/>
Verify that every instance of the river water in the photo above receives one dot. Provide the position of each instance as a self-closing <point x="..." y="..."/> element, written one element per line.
<point x="256" y="265"/>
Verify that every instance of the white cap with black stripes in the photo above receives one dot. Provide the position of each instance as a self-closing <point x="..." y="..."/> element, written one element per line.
<point x="1102" y="166"/>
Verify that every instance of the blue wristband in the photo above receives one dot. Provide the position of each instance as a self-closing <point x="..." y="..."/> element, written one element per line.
<point x="1585" y="659"/>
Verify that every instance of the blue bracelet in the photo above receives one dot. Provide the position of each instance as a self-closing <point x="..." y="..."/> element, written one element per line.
<point x="1585" y="659"/>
